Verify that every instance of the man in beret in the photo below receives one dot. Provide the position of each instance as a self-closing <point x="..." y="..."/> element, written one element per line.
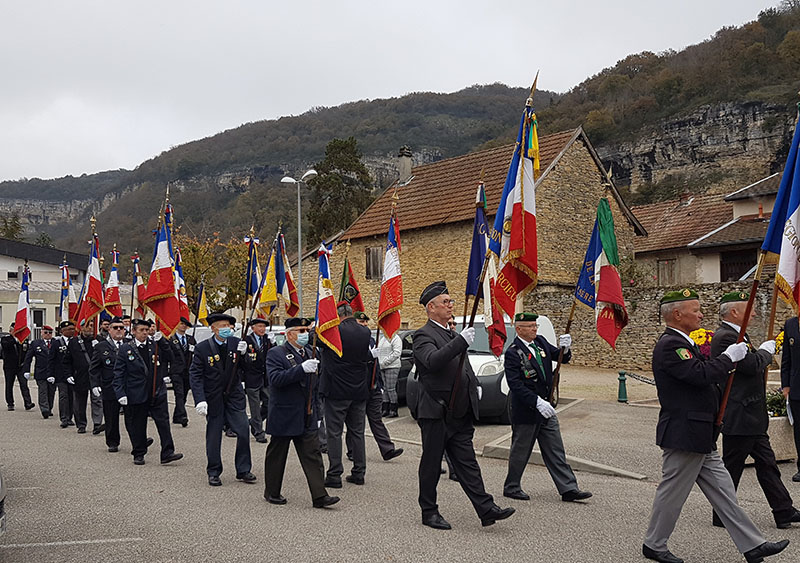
<point x="688" y="390"/>
<point x="790" y="379"/>
<point x="183" y="348"/>
<point x="215" y="378"/>
<point x="58" y="373"/>
<point x="39" y="350"/>
<point x="529" y="372"/>
<point x="744" y="428"/>
<point x="255" y="377"/>
<point x="76" y="366"/>
<point x="101" y="374"/>
<point x="447" y="405"/>
<point x="292" y="416"/>
<point x="13" y="357"/>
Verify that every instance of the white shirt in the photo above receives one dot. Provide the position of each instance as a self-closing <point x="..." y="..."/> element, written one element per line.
<point x="686" y="336"/>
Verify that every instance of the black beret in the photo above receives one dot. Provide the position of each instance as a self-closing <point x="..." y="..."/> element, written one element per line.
<point x="124" y="317"/>
<point x="141" y="322"/>
<point x="62" y="324"/>
<point x="186" y="321"/>
<point x="297" y="321"/>
<point x="216" y="317"/>
<point x="259" y="321"/>
<point x="433" y="290"/>
<point x="116" y="320"/>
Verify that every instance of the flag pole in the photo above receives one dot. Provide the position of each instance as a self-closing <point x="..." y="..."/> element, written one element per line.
<point x="771" y="325"/>
<point x="726" y="395"/>
<point x="248" y="274"/>
<point x="257" y="296"/>
<point x="197" y="306"/>
<point x="557" y="372"/>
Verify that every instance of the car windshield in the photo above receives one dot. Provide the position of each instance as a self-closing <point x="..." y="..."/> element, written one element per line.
<point x="481" y="343"/>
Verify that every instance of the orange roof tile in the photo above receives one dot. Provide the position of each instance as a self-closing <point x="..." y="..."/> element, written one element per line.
<point x="672" y="224"/>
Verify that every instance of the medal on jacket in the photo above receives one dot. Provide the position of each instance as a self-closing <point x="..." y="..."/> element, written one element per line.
<point x="211" y="361"/>
<point x="130" y="355"/>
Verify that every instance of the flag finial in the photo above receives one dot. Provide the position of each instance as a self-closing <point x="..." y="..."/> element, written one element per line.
<point x="529" y="101"/>
<point x="93" y="222"/>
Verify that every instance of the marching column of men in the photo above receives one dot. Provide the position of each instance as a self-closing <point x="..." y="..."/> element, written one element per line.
<point x="14" y="354"/>
<point x="39" y="355"/>
<point x="255" y="377"/>
<point x="77" y="359"/>
<point x="101" y="372"/>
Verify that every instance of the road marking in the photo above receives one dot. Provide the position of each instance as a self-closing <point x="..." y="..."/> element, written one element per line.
<point x="25" y="488"/>
<point x="398" y="419"/>
<point x="68" y="543"/>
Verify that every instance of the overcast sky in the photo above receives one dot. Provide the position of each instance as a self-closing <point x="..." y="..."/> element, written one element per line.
<point x="97" y="85"/>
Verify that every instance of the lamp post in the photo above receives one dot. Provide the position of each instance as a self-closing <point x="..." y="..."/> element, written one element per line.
<point x="310" y="174"/>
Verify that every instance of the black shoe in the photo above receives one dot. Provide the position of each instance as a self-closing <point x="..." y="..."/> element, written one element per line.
<point x="185" y="422"/>
<point x="29" y="406"/>
<point x="787" y="523"/>
<point x="279" y="499"/>
<point x="70" y="423"/>
<point x="393" y="454"/>
<point x="113" y="449"/>
<point x="796" y="477"/>
<point x="261" y="439"/>
<point x="214" y="481"/>
<point x="11" y="407"/>
<point x="765" y="550"/>
<point x="661" y="556"/>
<point x="454" y="477"/>
<point x="46" y="414"/>
<point x="64" y="425"/>
<point x="384" y="409"/>
<point x="496" y="513"/>
<point x="171" y="457"/>
<point x="716" y="522"/>
<point x="81" y="430"/>
<point x="354" y="480"/>
<point x="349" y="456"/>
<point x="392" y="410"/>
<point x="148" y="443"/>
<point x="98" y="428"/>
<point x="230" y="434"/>
<point x="325" y="501"/>
<point x="436" y="521"/>
<point x="246" y="477"/>
<point x="323" y="449"/>
<point x="138" y="460"/>
<point x="333" y="483"/>
<point x="518" y="495"/>
<point x="572" y="496"/>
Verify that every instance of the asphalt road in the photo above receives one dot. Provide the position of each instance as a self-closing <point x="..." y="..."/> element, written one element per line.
<point x="69" y="499"/>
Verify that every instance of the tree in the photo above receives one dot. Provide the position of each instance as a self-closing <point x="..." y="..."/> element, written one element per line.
<point x="44" y="240"/>
<point x="341" y="191"/>
<point x="12" y="228"/>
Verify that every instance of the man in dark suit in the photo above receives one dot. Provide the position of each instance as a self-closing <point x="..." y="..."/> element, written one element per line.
<point x="58" y="373"/>
<point x="292" y="416"/>
<point x="744" y="429"/>
<point x="447" y="405"/>
<point x="529" y="372"/>
<point x="790" y="380"/>
<point x="345" y="387"/>
<point x="139" y="383"/>
<point x="13" y="357"/>
<point x="217" y="390"/>
<point x="255" y="377"/>
<point x="688" y="390"/>
<point x="101" y="374"/>
<point x="182" y="350"/>
<point x="40" y="350"/>
<point x="76" y="366"/>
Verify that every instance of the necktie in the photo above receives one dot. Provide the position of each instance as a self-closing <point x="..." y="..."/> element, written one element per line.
<point x="183" y="341"/>
<point x="538" y="356"/>
<point x="258" y="341"/>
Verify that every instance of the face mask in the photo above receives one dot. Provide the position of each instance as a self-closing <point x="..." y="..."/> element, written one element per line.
<point x="225" y="332"/>
<point x="302" y="339"/>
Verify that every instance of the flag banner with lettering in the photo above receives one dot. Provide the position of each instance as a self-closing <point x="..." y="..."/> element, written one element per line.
<point x="391" y="299"/>
<point x="283" y="277"/>
<point x="68" y="305"/>
<point x="92" y="301"/>
<point x="783" y="233"/>
<point x="514" y="234"/>
<point x="22" y="320"/>
<point x="348" y="289"/>
<point x="161" y="296"/>
<point x="112" y="301"/>
<point x="327" y="318"/>
<point x="599" y="285"/>
<point x="477" y="254"/>
<point x="202" y="306"/>
<point x="492" y="313"/>
<point x="268" y="296"/>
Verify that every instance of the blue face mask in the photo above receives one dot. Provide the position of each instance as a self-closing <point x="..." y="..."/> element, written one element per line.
<point x="225" y="332"/>
<point x="302" y="339"/>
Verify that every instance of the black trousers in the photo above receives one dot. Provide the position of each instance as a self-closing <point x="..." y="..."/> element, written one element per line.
<point x="794" y="404"/>
<point x="80" y="397"/>
<point x="111" y="416"/>
<point x="307" y="449"/>
<point x="11" y="376"/>
<point x="64" y="401"/>
<point x="376" y="425"/>
<point x="180" y="386"/>
<point x="735" y="450"/>
<point x="236" y="420"/>
<point x="455" y="438"/>
<point x="47" y="396"/>
<point x="136" y="425"/>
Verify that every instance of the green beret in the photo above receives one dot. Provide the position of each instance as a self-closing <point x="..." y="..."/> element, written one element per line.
<point x="526" y="317"/>
<point x="680" y="295"/>
<point x="361" y="316"/>
<point x="734" y="297"/>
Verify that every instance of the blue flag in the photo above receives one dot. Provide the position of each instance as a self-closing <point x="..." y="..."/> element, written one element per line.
<point x="477" y="255"/>
<point x="585" y="290"/>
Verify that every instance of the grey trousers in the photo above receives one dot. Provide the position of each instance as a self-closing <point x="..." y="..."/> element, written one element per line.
<point x="339" y="412"/>
<point x="257" y="400"/>
<point x="64" y="401"/>
<point x="552" y="447"/>
<point x="97" y="408"/>
<point x="376" y="426"/>
<point x="680" y="470"/>
<point x="390" y="384"/>
<point x="47" y="396"/>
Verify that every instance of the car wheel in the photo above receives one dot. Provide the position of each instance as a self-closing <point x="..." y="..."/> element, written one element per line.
<point x="505" y="416"/>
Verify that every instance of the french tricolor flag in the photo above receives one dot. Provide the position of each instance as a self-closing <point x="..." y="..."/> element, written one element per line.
<point x="22" y="320"/>
<point x="392" y="284"/>
<point x="93" y="299"/>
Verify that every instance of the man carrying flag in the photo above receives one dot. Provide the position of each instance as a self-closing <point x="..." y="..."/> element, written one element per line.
<point x="15" y="347"/>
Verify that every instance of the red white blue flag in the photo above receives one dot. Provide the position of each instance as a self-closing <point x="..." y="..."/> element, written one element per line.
<point x="391" y="299"/>
<point x="327" y="318"/>
<point x="22" y="320"/>
<point x="92" y="301"/>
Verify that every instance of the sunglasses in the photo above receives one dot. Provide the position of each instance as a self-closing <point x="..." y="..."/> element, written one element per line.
<point x="120" y="327"/>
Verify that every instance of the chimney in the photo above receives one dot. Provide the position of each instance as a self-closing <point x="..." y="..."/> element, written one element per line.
<point x="404" y="164"/>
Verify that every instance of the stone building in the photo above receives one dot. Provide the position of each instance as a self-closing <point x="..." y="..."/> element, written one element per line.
<point x="436" y="209"/>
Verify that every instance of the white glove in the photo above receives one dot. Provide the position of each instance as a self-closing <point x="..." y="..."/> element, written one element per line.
<point x="310" y="366"/>
<point x="27" y="374"/>
<point x="123" y="401"/>
<point x="736" y="352"/>
<point x="201" y="408"/>
<point x="468" y="334"/>
<point x="545" y="408"/>
<point x="71" y="380"/>
<point x="167" y="380"/>
<point x="271" y="338"/>
<point x="374" y="352"/>
<point x="769" y="346"/>
<point x="480" y="392"/>
<point x="96" y="391"/>
<point x="241" y="347"/>
<point x="565" y="341"/>
<point x="158" y="336"/>
<point x="51" y="380"/>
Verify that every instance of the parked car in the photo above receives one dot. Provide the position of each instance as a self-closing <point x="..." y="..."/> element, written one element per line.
<point x="2" y="505"/>
<point x="495" y="402"/>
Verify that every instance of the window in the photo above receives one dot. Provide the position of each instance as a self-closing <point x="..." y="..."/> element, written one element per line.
<point x="13" y="275"/>
<point x="666" y="272"/>
<point x="733" y="265"/>
<point x="374" y="262"/>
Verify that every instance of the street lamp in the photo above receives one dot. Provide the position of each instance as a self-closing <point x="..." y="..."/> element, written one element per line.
<point x="310" y="174"/>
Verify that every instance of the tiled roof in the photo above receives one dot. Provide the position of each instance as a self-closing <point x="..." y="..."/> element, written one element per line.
<point x="46" y="255"/>
<point x="672" y="224"/>
<point x="444" y="191"/>
<point x="743" y="230"/>
<point x="765" y="186"/>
